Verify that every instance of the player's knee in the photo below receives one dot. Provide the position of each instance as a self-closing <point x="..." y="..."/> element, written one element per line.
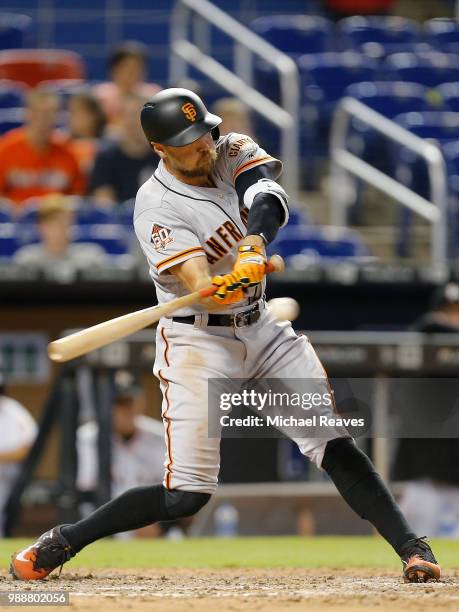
<point x="184" y="503"/>
<point x="342" y="457"/>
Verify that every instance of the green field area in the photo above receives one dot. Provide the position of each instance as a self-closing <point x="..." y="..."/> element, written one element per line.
<point x="339" y="552"/>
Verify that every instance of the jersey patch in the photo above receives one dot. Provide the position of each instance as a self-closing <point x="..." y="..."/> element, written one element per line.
<point x="161" y="236"/>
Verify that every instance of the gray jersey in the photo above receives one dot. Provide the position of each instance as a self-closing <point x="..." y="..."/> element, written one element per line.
<point x="175" y="221"/>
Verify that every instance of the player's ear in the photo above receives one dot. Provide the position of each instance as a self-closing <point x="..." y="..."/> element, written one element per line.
<point x="158" y="149"/>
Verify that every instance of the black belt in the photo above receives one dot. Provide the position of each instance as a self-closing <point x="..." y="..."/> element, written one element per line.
<point x="240" y="319"/>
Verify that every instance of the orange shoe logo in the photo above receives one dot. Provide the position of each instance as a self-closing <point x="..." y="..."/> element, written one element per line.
<point x="189" y="111"/>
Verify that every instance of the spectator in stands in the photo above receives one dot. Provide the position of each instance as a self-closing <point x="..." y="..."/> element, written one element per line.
<point x="128" y="67"/>
<point x="235" y="116"/>
<point x="430" y="500"/>
<point x="34" y="159"/>
<point x="137" y="447"/>
<point x="56" y="253"/>
<point x="87" y="125"/>
<point x="122" y="166"/>
<point x="338" y="9"/>
<point x="17" y="433"/>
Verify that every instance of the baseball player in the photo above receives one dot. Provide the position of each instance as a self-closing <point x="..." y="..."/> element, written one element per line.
<point x="205" y="217"/>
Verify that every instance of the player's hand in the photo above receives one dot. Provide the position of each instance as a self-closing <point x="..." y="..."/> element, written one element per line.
<point x="248" y="271"/>
<point x="229" y="290"/>
<point x="250" y="266"/>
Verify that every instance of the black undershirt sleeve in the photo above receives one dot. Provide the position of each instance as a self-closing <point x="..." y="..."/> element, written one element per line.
<point x="266" y="213"/>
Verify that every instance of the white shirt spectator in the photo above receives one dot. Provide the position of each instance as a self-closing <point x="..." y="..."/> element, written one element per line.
<point x="17" y="430"/>
<point x="136" y="462"/>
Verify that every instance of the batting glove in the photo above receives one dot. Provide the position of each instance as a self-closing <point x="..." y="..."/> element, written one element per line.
<point x="248" y="271"/>
<point x="229" y="290"/>
<point x="250" y="266"/>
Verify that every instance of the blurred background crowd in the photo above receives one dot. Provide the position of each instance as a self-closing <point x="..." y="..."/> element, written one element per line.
<point x="72" y="157"/>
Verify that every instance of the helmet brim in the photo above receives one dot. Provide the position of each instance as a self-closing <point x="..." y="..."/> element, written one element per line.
<point x="194" y="131"/>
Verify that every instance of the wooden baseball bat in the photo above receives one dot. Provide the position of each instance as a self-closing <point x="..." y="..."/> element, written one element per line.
<point x="95" y="337"/>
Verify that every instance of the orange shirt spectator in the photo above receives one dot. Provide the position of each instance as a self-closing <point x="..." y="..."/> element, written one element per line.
<point x="27" y="171"/>
<point x="34" y="160"/>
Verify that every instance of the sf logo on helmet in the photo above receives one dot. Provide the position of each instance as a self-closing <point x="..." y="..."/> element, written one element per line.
<point x="189" y="111"/>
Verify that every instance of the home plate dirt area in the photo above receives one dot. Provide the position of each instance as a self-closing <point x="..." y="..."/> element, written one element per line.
<point x="243" y="589"/>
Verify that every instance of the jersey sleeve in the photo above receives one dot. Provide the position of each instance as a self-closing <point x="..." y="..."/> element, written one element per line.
<point x="241" y="153"/>
<point x="166" y="238"/>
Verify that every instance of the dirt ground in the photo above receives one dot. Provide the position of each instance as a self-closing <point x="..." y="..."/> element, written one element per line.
<point x="235" y="589"/>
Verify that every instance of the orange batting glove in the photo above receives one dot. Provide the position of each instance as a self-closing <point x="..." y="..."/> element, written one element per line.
<point x="250" y="266"/>
<point x="229" y="290"/>
<point x="248" y="271"/>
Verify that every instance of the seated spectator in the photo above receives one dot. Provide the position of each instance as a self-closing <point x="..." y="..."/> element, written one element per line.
<point x="122" y="166"/>
<point x="128" y="67"/>
<point x="86" y="125"/>
<point x="17" y="433"/>
<point x="34" y="159"/>
<point x="235" y="116"/>
<point x="138" y="448"/>
<point x="56" y="253"/>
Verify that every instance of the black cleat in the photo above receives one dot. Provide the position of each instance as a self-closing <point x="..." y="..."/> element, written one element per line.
<point x="419" y="563"/>
<point x="35" y="562"/>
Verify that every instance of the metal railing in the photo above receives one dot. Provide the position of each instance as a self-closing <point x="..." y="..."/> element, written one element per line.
<point x="192" y="19"/>
<point x="345" y="163"/>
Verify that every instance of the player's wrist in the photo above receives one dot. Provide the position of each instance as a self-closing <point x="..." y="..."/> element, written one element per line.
<point x="255" y="240"/>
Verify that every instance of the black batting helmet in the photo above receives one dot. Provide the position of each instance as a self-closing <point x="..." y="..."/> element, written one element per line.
<point x="177" y="117"/>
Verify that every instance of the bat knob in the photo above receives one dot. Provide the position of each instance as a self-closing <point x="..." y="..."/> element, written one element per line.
<point x="275" y="264"/>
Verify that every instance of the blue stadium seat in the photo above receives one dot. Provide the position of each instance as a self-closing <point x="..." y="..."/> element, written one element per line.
<point x="450" y="152"/>
<point x="15" y="31"/>
<point x="11" y="94"/>
<point x="10" y="118"/>
<point x="411" y="170"/>
<point x="390" y="100"/>
<point x="28" y="211"/>
<point x="8" y="240"/>
<point x="435" y="125"/>
<point x="77" y="32"/>
<point x="306" y="240"/>
<point x="443" y="34"/>
<point x="26" y="222"/>
<point x="124" y="213"/>
<point x="96" y="66"/>
<point x="88" y="213"/>
<point x="111" y="237"/>
<point x="297" y="216"/>
<point x="6" y="211"/>
<point x="441" y="125"/>
<point x="449" y="95"/>
<point x="295" y="34"/>
<point x="428" y="68"/>
<point x="378" y="36"/>
<point x="331" y="73"/>
<point x="325" y="77"/>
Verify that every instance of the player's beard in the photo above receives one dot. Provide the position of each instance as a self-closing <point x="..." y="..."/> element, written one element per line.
<point x="204" y="167"/>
